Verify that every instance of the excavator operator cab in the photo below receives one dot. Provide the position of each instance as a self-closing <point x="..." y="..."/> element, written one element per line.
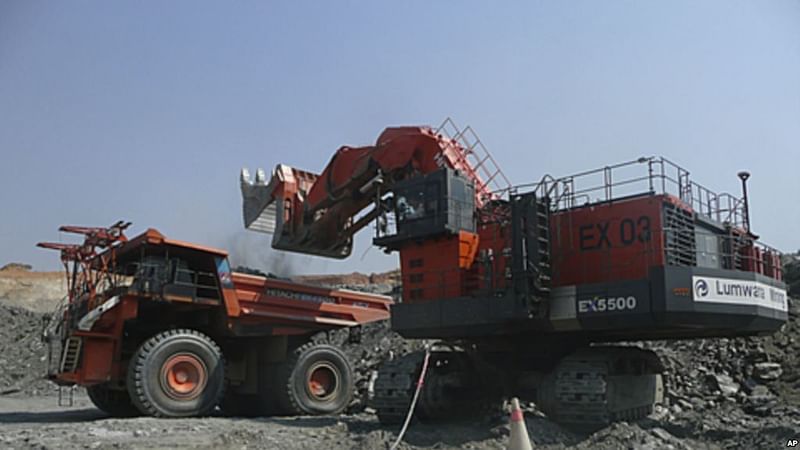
<point x="441" y="202"/>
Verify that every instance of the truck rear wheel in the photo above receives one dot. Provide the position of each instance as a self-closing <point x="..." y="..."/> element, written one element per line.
<point x="177" y="373"/>
<point x="316" y="379"/>
<point x="116" y="403"/>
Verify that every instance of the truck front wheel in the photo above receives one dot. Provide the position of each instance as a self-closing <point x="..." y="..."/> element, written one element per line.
<point x="316" y="379"/>
<point x="177" y="373"/>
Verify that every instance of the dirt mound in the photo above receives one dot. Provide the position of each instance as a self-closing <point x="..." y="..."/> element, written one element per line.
<point x="16" y="267"/>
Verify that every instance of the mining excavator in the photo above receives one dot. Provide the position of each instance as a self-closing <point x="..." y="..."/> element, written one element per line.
<point x="529" y="290"/>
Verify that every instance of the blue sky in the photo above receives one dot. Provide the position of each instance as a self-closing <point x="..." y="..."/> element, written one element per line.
<point x="147" y="110"/>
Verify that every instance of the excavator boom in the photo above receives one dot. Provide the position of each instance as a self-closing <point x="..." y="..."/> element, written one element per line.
<point x="319" y="213"/>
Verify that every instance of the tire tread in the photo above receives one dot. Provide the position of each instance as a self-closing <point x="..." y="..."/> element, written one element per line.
<point x="284" y="381"/>
<point x="139" y="360"/>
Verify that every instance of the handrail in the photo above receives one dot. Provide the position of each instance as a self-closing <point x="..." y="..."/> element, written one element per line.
<point x="662" y="176"/>
<point x="484" y="166"/>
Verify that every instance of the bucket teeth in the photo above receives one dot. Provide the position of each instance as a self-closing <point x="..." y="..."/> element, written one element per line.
<point x="261" y="177"/>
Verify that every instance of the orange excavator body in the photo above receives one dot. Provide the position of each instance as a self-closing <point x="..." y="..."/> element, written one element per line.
<point x="519" y="283"/>
<point x="481" y="258"/>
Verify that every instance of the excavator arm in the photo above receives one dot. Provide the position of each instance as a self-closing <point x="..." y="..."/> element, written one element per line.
<point x="318" y="214"/>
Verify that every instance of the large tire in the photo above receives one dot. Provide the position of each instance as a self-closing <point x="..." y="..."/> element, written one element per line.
<point x="177" y="373"/>
<point x="115" y="403"/>
<point x="316" y="379"/>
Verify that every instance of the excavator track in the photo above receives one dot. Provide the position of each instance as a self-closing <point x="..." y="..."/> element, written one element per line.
<point x="452" y="390"/>
<point x="580" y="392"/>
<point x="394" y="387"/>
<point x="592" y="388"/>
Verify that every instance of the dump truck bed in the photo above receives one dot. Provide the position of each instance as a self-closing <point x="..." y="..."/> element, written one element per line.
<point x="292" y="307"/>
<point x="254" y="304"/>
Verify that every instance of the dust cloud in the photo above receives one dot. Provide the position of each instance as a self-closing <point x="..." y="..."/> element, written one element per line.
<point x="253" y="250"/>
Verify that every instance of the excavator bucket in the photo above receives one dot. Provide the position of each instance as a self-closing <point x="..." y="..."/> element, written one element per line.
<point x="258" y="202"/>
<point x="276" y="207"/>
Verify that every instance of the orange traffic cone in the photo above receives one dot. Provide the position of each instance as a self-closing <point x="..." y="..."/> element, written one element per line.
<point x="519" y="439"/>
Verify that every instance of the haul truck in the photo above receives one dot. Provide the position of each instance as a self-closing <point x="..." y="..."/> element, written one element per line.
<point x="162" y="327"/>
<point x="525" y="286"/>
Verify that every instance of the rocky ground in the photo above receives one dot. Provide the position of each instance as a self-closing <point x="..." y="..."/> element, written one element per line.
<point x="22" y="352"/>
<point x="723" y="393"/>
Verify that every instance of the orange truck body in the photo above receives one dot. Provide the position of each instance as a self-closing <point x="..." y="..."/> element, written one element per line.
<point x="236" y="309"/>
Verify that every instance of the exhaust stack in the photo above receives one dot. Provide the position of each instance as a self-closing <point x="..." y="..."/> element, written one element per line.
<point x="743" y="175"/>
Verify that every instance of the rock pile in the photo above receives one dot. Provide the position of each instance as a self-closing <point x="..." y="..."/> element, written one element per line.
<point x="737" y="393"/>
<point x="756" y="373"/>
<point x="22" y="353"/>
<point x="791" y="275"/>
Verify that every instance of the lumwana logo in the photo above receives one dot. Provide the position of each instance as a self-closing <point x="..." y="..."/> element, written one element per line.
<point x="701" y="288"/>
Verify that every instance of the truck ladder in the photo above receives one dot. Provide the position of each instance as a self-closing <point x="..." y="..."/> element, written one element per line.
<point x="71" y="354"/>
